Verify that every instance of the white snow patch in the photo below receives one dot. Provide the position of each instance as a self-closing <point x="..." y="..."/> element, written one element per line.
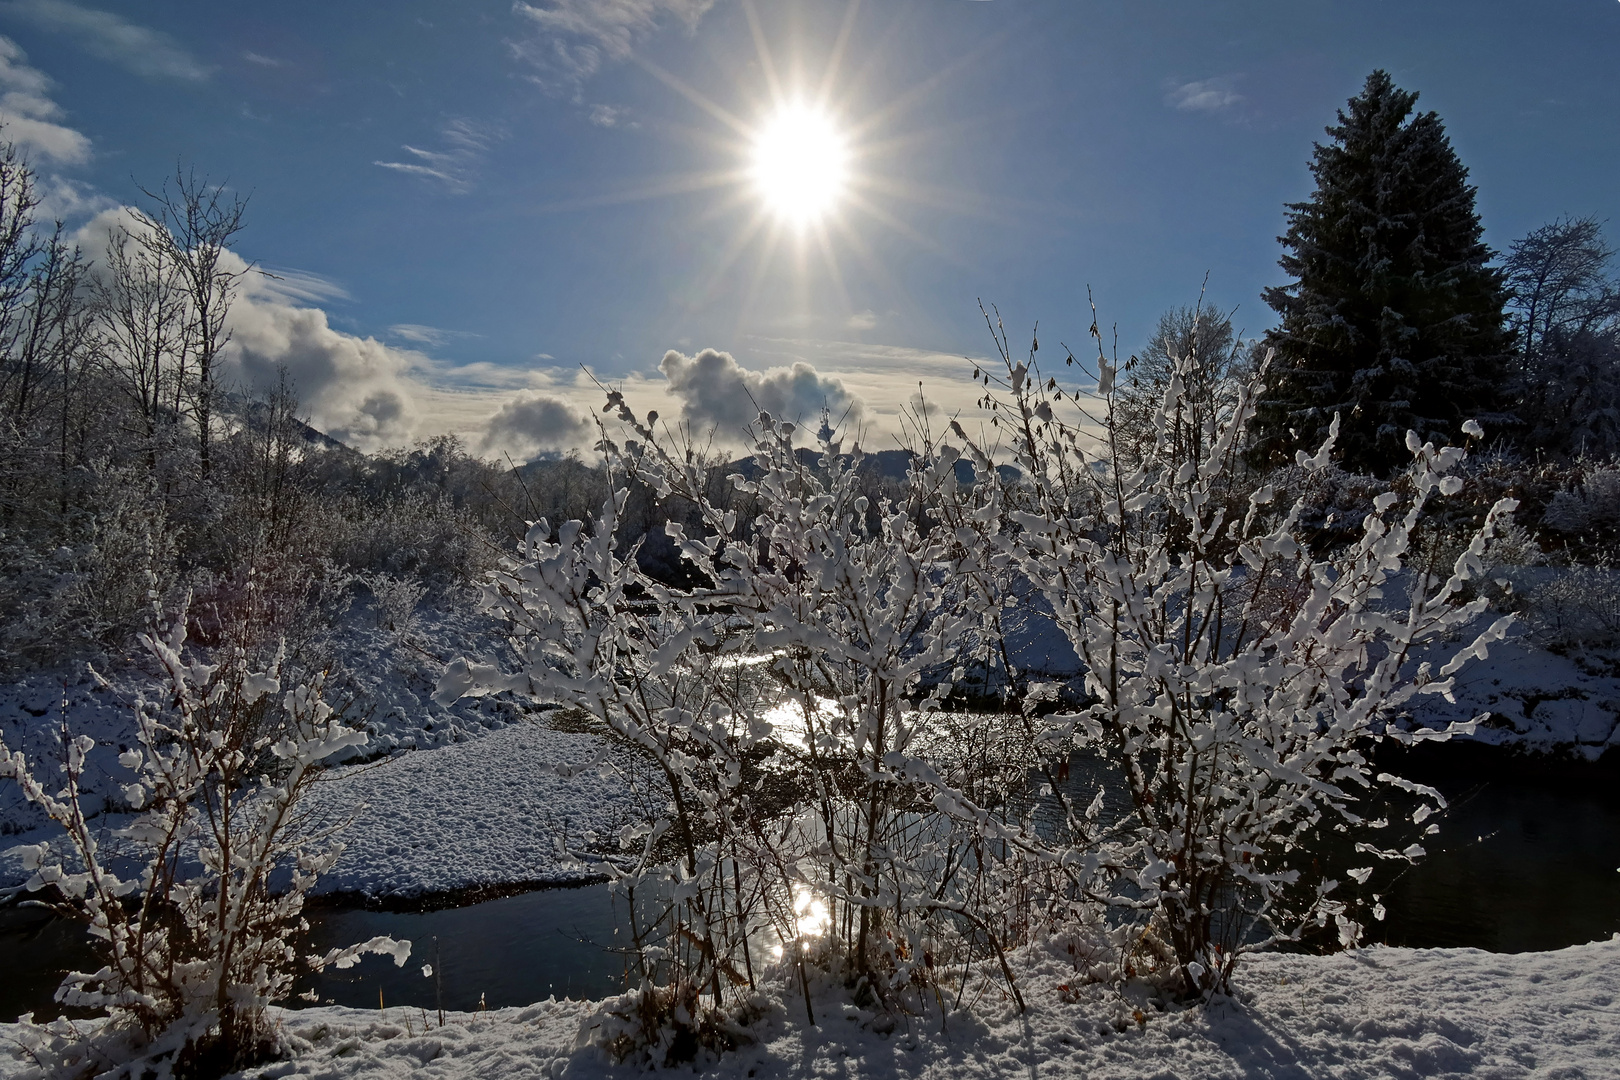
<point x="481" y="812"/>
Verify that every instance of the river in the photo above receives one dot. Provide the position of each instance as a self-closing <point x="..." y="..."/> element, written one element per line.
<point x="1526" y="859"/>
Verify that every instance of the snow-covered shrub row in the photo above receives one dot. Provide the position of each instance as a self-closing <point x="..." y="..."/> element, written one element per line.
<point x="1235" y="681"/>
<point x="196" y="936"/>
<point x="1575" y="610"/>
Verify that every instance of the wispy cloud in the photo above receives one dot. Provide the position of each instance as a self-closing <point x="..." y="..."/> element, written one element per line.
<point x="298" y="286"/>
<point x="1203" y="95"/>
<point x="419" y="334"/>
<point x="260" y="60"/>
<point x="609" y="116"/>
<point x="570" y="40"/>
<point x="29" y="116"/>
<point x="111" y="37"/>
<point x="455" y="165"/>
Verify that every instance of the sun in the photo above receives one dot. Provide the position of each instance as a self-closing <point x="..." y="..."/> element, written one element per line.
<point x="800" y="164"/>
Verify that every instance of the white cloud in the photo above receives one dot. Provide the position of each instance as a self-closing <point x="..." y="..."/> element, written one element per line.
<point x="572" y="39"/>
<point x="1203" y="95"/>
<point x="862" y="320"/>
<point x="608" y="116"/>
<point x="111" y="37"/>
<point x="716" y="391"/>
<point x="455" y="166"/>
<point x="416" y="332"/>
<point x="297" y="286"/>
<point x="356" y="389"/>
<point x="29" y="116"/>
<point x="420" y="334"/>
<point x="531" y="422"/>
<point x="61" y="199"/>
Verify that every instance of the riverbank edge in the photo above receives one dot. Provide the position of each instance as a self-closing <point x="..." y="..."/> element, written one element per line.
<point x="442" y="899"/>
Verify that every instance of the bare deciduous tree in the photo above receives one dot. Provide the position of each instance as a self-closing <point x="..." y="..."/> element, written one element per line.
<point x="1566" y="310"/>
<point x="1216" y="357"/>
<point x="142" y="305"/>
<point x="196" y="220"/>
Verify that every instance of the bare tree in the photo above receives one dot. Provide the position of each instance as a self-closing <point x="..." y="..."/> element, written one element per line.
<point x="1566" y="310"/>
<point x="1215" y="357"/>
<point x="19" y="249"/>
<point x="195" y="220"/>
<point x="1559" y="275"/>
<point x="143" y="302"/>
<point x="44" y="344"/>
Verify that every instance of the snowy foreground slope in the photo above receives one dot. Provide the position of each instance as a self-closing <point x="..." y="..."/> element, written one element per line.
<point x="1378" y="1012"/>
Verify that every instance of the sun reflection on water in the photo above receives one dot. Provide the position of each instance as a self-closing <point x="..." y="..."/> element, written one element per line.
<point x="811" y="917"/>
<point x="788" y="722"/>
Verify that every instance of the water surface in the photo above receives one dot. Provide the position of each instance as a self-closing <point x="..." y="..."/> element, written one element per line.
<point x="1521" y="863"/>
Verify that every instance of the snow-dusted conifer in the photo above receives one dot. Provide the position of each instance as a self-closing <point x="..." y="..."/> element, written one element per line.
<point x="1393" y="319"/>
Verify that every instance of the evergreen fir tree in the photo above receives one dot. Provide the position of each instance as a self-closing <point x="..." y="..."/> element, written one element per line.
<point x="1393" y="319"/>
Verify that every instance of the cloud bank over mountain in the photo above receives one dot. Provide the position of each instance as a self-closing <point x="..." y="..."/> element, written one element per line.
<point x="717" y="392"/>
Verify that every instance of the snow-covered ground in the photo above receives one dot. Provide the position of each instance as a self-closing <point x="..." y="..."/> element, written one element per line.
<point x="459" y="800"/>
<point x="474" y="813"/>
<point x="1534" y="699"/>
<point x="1374" y="1013"/>
<point x="469" y="814"/>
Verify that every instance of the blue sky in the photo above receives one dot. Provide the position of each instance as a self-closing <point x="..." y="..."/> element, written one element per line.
<point x="466" y="202"/>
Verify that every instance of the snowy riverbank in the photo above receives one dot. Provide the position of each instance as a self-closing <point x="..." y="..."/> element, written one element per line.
<point x="1374" y="1013"/>
<point x="469" y="815"/>
<point x="460" y="800"/>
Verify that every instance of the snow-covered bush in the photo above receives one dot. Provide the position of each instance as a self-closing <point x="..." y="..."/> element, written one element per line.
<point x="1237" y="681"/>
<point x="811" y="831"/>
<point x="87" y="589"/>
<point x="1236" y="678"/>
<point x="187" y="902"/>
<point x="1575" y="609"/>
<point x="1590" y="511"/>
<point x="593" y="632"/>
<point x="396" y="600"/>
<point x="410" y="533"/>
<point x="854" y="608"/>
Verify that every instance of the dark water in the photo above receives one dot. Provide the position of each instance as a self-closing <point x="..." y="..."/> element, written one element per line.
<point x="1516" y="867"/>
<point x="511" y="951"/>
<point x="1520" y="864"/>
